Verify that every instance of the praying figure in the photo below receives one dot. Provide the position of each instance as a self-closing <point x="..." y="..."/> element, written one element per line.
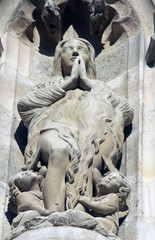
<point x="75" y="125"/>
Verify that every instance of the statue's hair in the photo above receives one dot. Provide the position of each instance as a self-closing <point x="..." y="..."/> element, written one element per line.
<point x="57" y="69"/>
<point x="106" y="112"/>
<point x="123" y="193"/>
<point x="107" y="107"/>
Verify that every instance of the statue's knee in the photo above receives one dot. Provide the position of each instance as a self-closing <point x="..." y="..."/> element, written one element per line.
<point x="59" y="155"/>
<point x="60" y="150"/>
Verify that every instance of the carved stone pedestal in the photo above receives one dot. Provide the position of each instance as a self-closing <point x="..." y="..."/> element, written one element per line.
<point x="63" y="233"/>
<point x="68" y="225"/>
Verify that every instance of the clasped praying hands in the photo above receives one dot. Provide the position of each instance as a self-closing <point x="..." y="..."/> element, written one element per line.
<point x="78" y="78"/>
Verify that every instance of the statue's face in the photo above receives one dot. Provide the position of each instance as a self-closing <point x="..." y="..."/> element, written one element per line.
<point x="110" y="183"/>
<point x="70" y="51"/>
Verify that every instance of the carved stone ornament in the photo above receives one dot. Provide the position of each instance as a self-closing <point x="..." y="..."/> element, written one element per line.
<point x="44" y="22"/>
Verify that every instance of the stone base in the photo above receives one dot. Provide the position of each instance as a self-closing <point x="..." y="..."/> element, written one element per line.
<point x="70" y="224"/>
<point x="61" y="233"/>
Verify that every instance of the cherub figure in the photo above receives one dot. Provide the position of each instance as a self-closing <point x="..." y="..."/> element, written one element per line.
<point x="112" y="191"/>
<point x="27" y="192"/>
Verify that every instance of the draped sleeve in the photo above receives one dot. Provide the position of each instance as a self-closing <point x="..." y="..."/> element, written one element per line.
<point x="33" y="103"/>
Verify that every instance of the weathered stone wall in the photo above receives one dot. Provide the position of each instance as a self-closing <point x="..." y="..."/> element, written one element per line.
<point x="146" y="145"/>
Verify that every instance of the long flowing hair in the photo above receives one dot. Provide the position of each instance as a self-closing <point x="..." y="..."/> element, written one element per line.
<point x="89" y="139"/>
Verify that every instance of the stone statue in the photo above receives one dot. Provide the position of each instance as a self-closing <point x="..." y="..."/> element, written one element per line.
<point x="112" y="192"/>
<point x="52" y="19"/>
<point x="28" y="193"/>
<point x="75" y="135"/>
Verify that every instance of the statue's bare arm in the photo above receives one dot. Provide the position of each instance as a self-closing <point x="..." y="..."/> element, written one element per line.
<point x="104" y="205"/>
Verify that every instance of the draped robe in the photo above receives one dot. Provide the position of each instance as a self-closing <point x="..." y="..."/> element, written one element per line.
<point x="82" y="119"/>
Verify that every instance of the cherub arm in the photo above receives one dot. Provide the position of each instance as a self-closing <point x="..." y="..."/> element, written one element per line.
<point x="104" y="205"/>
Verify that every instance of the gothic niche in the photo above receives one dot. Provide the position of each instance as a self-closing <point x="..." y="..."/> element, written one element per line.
<point x="75" y="126"/>
<point x="102" y="22"/>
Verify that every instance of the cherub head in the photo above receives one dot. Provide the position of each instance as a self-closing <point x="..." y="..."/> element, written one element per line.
<point x="67" y="51"/>
<point x="24" y="181"/>
<point x="114" y="182"/>
<point x="111" y="182"/>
